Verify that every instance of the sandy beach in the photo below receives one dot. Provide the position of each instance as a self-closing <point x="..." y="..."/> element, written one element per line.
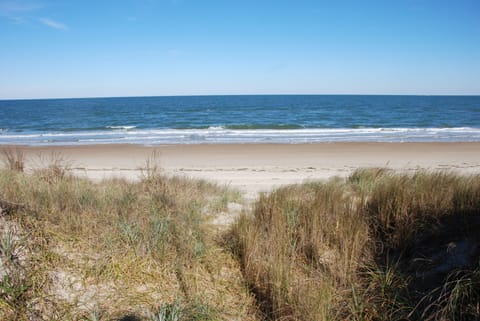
<point x="253" y="168"/>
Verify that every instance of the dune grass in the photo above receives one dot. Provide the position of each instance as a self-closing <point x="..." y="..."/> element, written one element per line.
<point x="13" y="159"/>
<point x="72" y="249"/>
<point x="375" y="246"/>
<point x="378" y="246"/>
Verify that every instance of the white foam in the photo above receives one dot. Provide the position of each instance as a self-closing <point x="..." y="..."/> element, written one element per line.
<point x="121" y="127"/>
<point x="222" y="135"/>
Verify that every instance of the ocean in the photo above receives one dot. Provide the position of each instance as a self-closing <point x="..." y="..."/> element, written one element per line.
<point x="240" y="119"/>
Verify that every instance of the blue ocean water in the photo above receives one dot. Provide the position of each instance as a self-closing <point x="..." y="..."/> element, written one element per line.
<point x="240" y="119"/>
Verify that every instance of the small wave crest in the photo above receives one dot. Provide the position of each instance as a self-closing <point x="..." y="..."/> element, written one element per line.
<point x="265" y="126"/>
<point x="121" y="127"/>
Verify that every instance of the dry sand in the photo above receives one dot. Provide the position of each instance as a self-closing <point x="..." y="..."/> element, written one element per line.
<point x="260" y="167"/>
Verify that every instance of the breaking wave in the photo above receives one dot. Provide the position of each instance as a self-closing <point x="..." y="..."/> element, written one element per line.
<point x="222" y="135"/>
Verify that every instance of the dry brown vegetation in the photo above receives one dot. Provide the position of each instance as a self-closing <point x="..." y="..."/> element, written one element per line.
<point x="379" y="246"/>
<point x="71" y="249"/>
<point x="13" y="159"/>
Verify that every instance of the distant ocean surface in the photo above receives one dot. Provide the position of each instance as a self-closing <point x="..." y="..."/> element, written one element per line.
<point x="240" y="119"/>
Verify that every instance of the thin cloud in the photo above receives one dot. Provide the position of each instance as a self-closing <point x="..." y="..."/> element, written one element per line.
<point x="18" y="12"/>
<point x="53" y="24"/>
<point x="15" y="7"/>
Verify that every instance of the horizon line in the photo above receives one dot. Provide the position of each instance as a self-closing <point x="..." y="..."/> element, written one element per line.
<point x="226" y="95"/>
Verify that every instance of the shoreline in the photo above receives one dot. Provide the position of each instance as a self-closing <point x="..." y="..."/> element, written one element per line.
<point x="254" y="168"/>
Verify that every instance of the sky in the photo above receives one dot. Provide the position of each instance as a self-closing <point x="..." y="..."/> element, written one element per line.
<point x="105" y="48"/>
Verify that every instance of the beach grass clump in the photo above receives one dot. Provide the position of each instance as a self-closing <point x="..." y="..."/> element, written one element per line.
<point x="377" y="246"/>
<point x="14" y="283"/>
<point x="13" y="159"/>
<point x="300" y="250"/>
<point x="115" y="249"/>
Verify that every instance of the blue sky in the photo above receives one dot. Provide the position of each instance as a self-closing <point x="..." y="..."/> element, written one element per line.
<point x="53" y="48"/>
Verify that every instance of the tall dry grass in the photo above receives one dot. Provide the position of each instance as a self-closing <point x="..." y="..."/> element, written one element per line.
<point x="103" y="251"/>
<point x="13" y="159"/>
<point x="378" y="246"/>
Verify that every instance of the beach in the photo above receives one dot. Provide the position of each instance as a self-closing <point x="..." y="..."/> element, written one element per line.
<point x="237" y="160"/>
<point x="254" y="168"/>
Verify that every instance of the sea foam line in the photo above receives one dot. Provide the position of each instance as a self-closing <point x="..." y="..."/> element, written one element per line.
<point x="223" y="135"/>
